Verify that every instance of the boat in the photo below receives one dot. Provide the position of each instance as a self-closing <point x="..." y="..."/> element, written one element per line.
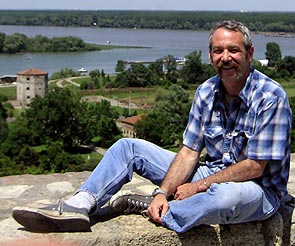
<point x="180" y="60"/>
<point x="82" y="70"/>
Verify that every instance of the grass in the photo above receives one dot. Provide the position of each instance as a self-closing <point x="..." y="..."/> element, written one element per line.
<point x="92" y="156"/>
<point x="81" y="80"/>
<point x="10" y="92"/>
<point x="290" y="91"/>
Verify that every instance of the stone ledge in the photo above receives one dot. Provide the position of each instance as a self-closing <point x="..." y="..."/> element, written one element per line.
<point x="136" y="230"/>
<point x="29" y="190"/>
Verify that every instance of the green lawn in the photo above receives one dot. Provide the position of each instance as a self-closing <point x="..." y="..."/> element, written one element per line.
<point x="10" y="92"/>
<point x="290" y="91"/>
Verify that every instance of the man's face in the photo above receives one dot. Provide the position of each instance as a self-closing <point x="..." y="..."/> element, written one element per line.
<point x="229" y="57"/>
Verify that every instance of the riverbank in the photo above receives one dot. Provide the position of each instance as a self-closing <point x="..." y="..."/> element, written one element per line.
<point x="278" y="34"/>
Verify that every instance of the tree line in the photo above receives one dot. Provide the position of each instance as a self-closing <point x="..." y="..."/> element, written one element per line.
<point x="18" y="42"/>
<point x="181" y="20"/>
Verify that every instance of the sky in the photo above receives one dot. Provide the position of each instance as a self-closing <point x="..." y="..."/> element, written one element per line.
<point x="224" y="5"/>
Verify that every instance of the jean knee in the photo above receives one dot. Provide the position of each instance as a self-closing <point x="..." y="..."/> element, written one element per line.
<point x="225" y="196"/>
<point x="123" y="145"/>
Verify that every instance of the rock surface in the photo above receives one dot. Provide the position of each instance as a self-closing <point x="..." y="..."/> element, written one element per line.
<point x="37" y="190"/>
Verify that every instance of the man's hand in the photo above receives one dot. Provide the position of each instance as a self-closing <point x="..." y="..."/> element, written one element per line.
<point x="189" y="189"/>
<point x="158" y="208"/>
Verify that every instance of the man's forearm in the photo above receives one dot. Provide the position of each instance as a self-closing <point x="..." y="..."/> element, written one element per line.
<point x="180" y="170"/>
<point x="242" y="171"/>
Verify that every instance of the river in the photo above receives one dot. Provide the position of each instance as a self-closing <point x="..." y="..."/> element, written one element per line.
<point x="159" y="43"/>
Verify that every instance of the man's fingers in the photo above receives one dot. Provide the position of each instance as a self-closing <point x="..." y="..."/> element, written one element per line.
<point x="164" y="210"/>
<point x="154" y="214"/>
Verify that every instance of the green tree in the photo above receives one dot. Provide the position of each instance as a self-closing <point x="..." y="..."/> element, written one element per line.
<point x="141" y="74"/>
<point x="7" y="166"/>
<point x="39" y="44"/>
<point x="273" y="54"/>
<point x="55" y="160"/>
<point x="18" y="136"/>
<point x="192" y="70"/>
<point x="137" y="75"/>
<point x="26" y="159"/>
<point x="102" y="123"/>
<point x="15" y="43"/>
<point x="120" y="66"/>
<point x="64" y="73"/>
<point x="102" y="74"/>
<point x="69" y="43"/>
<point x="150" y="127"/>
<point x="157" y="68"/>
<point x="166" y="123"/>
<point x="292" y="105"/>
<point x="171" y="69"/>
<point x="95" y="74"/>
<point x="57" y="117"/>
<point x="2" y="39"/>
<point x="286" y="67"/>
<point x="208" y="71"/>
<point x="3" y="117"/>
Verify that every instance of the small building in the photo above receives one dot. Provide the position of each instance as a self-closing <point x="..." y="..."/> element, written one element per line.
<point x="31" y="83"/>
<point x="263" y="62"/>
<point x="127" y="126"/>
<point x="8" y="78"/>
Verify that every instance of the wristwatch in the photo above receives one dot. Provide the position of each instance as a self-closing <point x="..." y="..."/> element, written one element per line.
<point x="159" y="191"/>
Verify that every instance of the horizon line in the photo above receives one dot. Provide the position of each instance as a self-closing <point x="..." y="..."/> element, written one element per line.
<point x="179" y="10"/>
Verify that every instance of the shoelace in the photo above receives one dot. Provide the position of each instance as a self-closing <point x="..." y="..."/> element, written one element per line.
<point x="144" y="213"/>
<point x="60" y="207"/>
<point x="136" y="206"/>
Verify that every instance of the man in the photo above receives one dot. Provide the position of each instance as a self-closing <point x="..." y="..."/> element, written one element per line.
<point x="240" y="116"/>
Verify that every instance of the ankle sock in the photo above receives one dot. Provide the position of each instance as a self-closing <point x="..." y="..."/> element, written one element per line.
<point x="82" y="199"/>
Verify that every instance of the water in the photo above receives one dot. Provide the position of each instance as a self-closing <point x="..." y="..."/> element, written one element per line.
<point x="158" y="43"/>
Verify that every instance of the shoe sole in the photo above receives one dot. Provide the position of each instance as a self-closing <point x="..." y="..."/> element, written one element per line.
<point x="36" y="220"/>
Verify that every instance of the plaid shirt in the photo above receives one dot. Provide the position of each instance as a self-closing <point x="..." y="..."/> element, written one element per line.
<point x="257" y="126"/>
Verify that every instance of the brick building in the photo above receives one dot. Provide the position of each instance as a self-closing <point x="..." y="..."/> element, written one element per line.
<point x="127" y="125"/>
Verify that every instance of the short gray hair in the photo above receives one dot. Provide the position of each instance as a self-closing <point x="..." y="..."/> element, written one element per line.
<point x="236" y="26"/>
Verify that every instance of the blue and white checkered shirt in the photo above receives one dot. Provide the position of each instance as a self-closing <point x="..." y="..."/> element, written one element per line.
<point x="257" y="126"/>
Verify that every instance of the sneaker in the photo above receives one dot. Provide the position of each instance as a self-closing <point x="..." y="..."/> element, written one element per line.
<point x="130" y="203"/>
<point x="53" y="218"/>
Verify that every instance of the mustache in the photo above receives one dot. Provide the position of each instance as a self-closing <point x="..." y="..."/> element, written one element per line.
<point x="227" y="64"/>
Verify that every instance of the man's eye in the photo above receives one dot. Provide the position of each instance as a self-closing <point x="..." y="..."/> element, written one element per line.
<point x="234" y="51"/>
<point x="217" y="51"/>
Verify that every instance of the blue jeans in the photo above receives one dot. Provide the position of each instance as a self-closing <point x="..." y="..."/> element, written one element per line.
<point x="225" y="203"/>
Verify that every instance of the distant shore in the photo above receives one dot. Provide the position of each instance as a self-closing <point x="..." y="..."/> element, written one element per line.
<point x="278" y="34"/>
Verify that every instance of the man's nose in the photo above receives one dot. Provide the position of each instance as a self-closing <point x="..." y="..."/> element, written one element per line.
<point x="226" y="56"/>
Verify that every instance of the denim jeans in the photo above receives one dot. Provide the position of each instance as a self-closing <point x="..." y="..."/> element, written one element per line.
<point x="225" y="203"/>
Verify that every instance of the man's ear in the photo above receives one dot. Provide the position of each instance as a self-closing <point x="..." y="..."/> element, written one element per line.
<point x="250" y="53"/>
<point x="210" y="57"/>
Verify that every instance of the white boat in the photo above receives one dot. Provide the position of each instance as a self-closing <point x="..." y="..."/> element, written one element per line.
<point x="180" y="60"/>
<point x="82" y="70"/>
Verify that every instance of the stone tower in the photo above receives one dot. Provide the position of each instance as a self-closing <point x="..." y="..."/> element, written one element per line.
<point x="30" y="84"/>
